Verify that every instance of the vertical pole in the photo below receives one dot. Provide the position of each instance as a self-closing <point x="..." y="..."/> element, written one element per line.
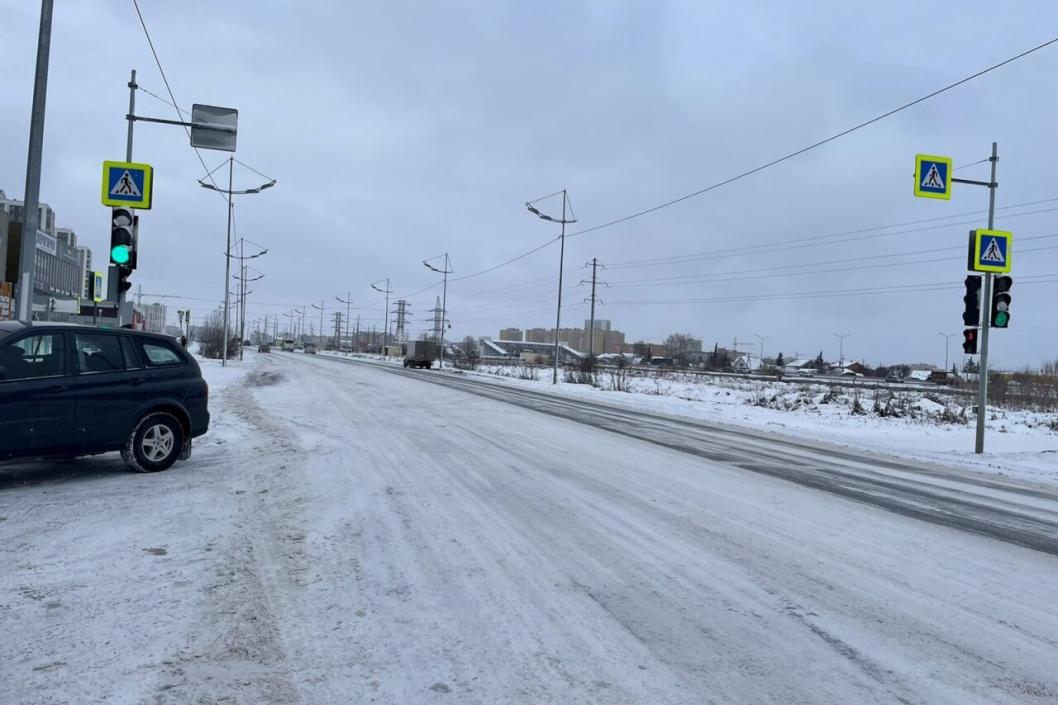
<point x="356" y="337"/>
<point x="31" y="221"/>
<point x="385" y="333"/>
<point x="561" y="264"/>
<point x="986" y="322"/>
<point x="128" y="157"/>
<point x="242" y="294"/>
<point x="444" y="311"/>
<point x="591" y="333"/>
<point x="227" y="265"/>
<point x="321" y="322"/>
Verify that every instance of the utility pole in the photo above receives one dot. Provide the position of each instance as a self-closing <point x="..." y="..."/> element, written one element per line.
<point x="561" y="261"/>
<point x="28" y="256"/>
<point x="356" y="338"/>
<point x="348" y="301"/>
<point x="594" y="264"/>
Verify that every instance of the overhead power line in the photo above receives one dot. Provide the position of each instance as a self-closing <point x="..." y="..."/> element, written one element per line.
<point x="815" y="145"/>
<point x="773" y="162"/>
<point x="169" y="89"/>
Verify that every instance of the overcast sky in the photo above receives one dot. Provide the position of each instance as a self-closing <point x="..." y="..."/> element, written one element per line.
<point x="401" y="130"/>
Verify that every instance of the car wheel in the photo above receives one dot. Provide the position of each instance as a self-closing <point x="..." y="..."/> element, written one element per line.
<point x="155" y="443"/>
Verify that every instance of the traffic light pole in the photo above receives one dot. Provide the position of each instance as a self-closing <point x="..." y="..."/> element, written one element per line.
<point x="122" y="313"/>
<point x="986" y="322"/>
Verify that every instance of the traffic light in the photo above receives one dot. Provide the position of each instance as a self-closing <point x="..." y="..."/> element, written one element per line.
<point x="123" y="279"/>
<point x="121" y="237"/>
<point x="1001" y="301"/>
<point x="969" y="341"/>
<point x="971" y="315"/>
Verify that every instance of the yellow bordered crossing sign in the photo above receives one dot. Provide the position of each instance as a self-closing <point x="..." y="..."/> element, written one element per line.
<point x="128" y="184"/>
<point x="932" y="176"/>
<point x="991" y="250"/>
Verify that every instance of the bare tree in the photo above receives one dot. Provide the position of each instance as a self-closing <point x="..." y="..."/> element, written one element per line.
<point x="679" y="346"/>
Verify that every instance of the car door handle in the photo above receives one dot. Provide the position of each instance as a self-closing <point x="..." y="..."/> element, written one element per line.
<point x="57" y="388"/>
<point x="137" y="381"/>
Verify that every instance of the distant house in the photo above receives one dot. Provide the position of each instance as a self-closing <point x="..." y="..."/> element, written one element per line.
<point x="854" y="369"/>
<point x="746" y="363"/>
<point x="799" y="367"/>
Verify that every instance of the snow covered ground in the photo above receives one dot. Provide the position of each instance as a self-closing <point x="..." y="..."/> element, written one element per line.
<point x="934" y="427"/>
<point x="346" y="535"/>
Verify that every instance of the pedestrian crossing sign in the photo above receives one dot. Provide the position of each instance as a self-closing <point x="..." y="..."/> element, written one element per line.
<point x="991" y="250"/>
<point x="932" y="176"/>
<point x="128" y="184"/>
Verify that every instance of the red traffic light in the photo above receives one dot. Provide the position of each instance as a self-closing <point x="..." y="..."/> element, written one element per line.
<point x="969" y="341"/>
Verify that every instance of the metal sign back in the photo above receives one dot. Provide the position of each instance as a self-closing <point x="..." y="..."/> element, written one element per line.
<point x="213" y="127"/>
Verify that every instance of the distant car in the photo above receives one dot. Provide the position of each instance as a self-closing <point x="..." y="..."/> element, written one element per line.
<point x="893" y="379"/>
<point x="310" y="348"/>
<point x="264" y="347"/>
<point x="287" y="346"/>
<point x="69" y="390"/>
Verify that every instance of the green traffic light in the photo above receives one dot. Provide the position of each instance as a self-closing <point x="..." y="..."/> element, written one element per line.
<point x="1002" y="317"/>
<point x="119" y="254"/>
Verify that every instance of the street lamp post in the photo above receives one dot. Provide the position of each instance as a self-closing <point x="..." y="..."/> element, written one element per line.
<point x="387" y="291"/>
<point x="947" y="339"/>
<point x="762" y="338"/>
<point x="561" y="259"/>
<point x="229" y="192"/>
<point x="320" y="309"/>
<point x="243" y="281"/>
<point x="841" y="354"/>
<point x="444" y="300"/>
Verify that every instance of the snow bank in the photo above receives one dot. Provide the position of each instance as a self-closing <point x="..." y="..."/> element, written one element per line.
<point x="929" y="426"/>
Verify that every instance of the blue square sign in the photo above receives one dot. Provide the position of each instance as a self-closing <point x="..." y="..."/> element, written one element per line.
<point x="932" y="176"/>
<point x="991" y="250"/>
<point x="127" y="184"/>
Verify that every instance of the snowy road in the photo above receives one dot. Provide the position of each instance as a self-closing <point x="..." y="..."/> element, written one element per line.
<point x="353" y="534"/>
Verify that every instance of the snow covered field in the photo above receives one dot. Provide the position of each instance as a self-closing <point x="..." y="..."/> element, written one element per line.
<point x="933" y="427"/>
<point x="347" y="535"/>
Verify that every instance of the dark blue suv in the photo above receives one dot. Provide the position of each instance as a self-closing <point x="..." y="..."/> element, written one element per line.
<point x="68" y="390"/>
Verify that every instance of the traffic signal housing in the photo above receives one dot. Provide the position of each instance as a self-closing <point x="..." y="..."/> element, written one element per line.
<point x="1000" y="317"/>
<point x="123" y="279"/>
<point x="969" y="341"/>
<point x="122" y="239"/>
<point x="971" y="315"/>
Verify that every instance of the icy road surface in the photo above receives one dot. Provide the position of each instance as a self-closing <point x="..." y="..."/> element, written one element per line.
<point x="354" y="534"/>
